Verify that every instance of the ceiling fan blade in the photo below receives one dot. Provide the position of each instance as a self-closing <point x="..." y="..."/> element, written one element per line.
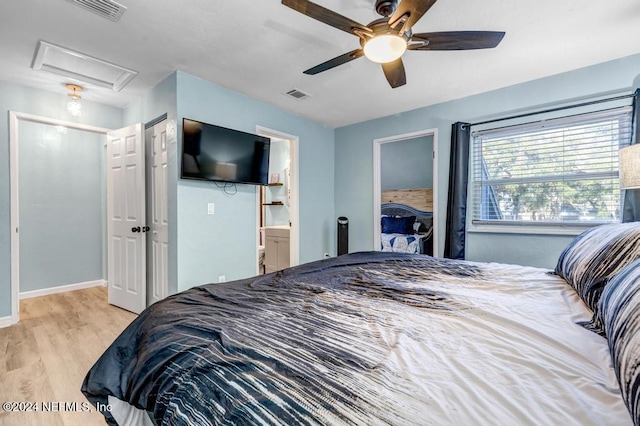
<point x="326" y="16"/>
<point x="457" y="40"/>
<point x="332" y="63"/>
<point x="410" y="11"/>
<point x="394" y="71"/>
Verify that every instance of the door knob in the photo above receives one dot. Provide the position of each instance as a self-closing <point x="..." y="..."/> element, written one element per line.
<point x="145" y="228"/>
<point x="135" y="229"/>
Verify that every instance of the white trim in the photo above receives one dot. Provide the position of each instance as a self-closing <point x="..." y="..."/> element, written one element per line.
<point x="62" y="289"/>
<point x="377" y="144"/>
<point x="15" y="217"/>
<point x="294" y="208"/>
<point x="14" y="121"/>
<point x="6" y="321"/>
<point x="527" y="229"/>
<point x="258" y="208"/>
<point x="55" y="122"/>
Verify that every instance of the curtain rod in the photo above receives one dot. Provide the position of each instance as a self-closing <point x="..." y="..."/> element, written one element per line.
<point x="599" y="101"/>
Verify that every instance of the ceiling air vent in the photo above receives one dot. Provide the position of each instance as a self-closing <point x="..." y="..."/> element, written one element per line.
<point x="297" y="94"/>
<point x="106" y="8"/>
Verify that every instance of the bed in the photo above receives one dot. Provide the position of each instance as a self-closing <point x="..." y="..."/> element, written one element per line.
<point x="405" y="229"/>
<point x="390" y="338"/>
<point x="406" y="221"/>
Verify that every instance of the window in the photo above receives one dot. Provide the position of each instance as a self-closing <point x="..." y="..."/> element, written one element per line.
<point x="560" y="171"/>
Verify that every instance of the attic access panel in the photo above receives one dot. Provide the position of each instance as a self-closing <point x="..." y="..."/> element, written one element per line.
<point x="62" y="61"/>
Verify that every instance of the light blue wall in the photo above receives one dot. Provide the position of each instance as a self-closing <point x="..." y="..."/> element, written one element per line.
<point x="407" y="164"/>
<point x="159" y="100"/>
<point x="61" y="206"/>
<point x="225" y="243"/>
<point x="354" y="153"/>
<point x="24" y="99"/>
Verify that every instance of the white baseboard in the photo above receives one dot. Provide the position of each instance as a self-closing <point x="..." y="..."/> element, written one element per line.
<point x="61" y="289"/>
<point x="7" y="321"/>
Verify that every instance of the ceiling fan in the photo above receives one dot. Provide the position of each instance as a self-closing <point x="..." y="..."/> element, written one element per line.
<point x="385" y="40"/>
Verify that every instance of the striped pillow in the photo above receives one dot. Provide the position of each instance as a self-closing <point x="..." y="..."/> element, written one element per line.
<point x="595" y="256"/>
<point x="620" y="311"/>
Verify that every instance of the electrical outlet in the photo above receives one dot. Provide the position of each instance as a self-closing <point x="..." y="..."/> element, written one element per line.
<point x="222" y="278"/>
<point x="326" y="255"/>
<point x="211" y="208"/>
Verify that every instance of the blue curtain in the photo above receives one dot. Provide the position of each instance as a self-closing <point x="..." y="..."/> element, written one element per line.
<point x="631" y="204"/>
<point x="454" y="242"/>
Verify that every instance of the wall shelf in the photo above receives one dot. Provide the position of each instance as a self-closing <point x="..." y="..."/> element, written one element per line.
<point x="274" y="203"/>
<point x="276" y="184"/>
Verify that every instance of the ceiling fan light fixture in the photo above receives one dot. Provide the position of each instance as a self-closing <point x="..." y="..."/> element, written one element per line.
<point x="385" y="48"/>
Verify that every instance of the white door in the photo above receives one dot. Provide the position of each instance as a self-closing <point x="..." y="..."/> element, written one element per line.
<point x="158" y="235"/>
<point x="126" y="218"/>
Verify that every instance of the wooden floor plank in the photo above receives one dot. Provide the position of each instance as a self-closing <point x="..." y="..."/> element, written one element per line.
<point x="22" y="349"/>
<point x="44" y="358"/>
<point x="28" y="385"/>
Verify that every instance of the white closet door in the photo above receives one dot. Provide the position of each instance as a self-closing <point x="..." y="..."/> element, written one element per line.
<point x="126" y="232"/>
<point x="159" y="232"/>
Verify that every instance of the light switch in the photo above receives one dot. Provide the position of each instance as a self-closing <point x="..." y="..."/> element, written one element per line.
<point x="211" y="208"/>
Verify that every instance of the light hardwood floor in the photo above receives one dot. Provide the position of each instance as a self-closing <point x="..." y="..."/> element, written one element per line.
<point x="45" y="357"/>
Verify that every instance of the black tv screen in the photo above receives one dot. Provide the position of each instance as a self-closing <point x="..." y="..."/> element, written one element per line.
<point x="216" y="153"/>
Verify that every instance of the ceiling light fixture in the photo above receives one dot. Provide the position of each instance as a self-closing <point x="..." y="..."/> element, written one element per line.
<point x="73" y="105"/>
<point x="385" y="48"/>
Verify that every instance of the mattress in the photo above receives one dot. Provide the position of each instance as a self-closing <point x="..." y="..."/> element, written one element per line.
<point x="366" y="338"/>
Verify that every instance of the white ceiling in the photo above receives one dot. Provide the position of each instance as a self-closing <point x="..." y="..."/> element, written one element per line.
<point x="260" y="48"/>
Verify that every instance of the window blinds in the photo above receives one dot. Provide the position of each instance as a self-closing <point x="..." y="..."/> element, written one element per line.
<point x="563" y="170"/>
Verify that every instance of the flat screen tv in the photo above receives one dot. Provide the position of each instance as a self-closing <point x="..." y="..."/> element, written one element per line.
<point x="216" y="153"/>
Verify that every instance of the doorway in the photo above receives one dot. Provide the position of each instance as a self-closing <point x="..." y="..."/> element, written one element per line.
<point x="83" y="220"/>
<point x="277" y="228"/>
<point x="63" y="206"/>
<point x="428" y="157"/>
